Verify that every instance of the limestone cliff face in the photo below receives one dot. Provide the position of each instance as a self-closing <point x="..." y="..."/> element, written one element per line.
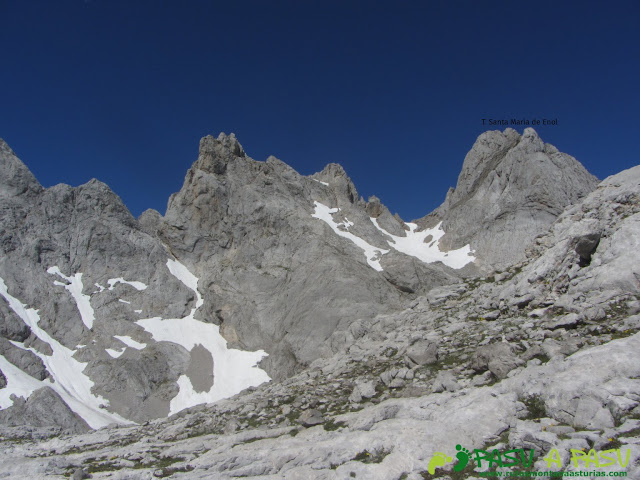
<point x="132" y="319"/>
<point x="270" y="273"/>
<point x="541" y="357"/>
<point x="510" y="189"/>
<point x="59" y="247"/>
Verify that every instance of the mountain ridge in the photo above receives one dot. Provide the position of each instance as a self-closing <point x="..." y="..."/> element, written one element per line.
<point x="540" y="356"/>
<point x="284" y="263"/>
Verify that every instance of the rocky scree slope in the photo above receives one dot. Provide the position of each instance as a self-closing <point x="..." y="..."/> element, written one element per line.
<point x="122" y="319"/>
<point x="539" y="356"/>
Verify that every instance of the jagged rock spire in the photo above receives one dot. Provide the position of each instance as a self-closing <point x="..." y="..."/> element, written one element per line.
<point x="15" y="177"/>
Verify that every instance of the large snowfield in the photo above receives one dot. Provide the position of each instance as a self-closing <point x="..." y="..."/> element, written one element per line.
<point x="233" y="370"/>
<point x="69" y="380"/>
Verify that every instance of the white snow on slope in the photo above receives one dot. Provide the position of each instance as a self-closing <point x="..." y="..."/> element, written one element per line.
<point x="137" y="285"/>
<point x="114" y="353"/>
<point x="70" y="383"/>
<point x="413" y="244"/>
<point x="130" y="342"/>
<point x="75" y="288"/>
<point x="183" y="274"/>
<point x="233" y="370"/>
<point x="124" y="301"/>
<point x="372" y="254"/>
<point x="18" y="383"/>
<point x="323" y="183"/>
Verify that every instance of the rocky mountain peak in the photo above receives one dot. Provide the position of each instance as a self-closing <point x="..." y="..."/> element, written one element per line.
<point x="374" y="207"/>
<point x="530" y="141"/>
<point x="15" y="177"/>
<point x="511" y="187"/>
<point x="333" y="170"/>
<point x="336" y="176"/>
<point x="487" y="152"/>
<point x="215" y="153"/>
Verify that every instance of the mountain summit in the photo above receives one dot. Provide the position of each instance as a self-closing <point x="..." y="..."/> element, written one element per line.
<point x="510" y="189"/>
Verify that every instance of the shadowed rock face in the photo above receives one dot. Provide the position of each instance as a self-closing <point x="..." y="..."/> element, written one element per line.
<point x="200" y="369"/>
<point x="272" y="274"/>
<point x="510" y="189"/>
<point x="15" y="177"/>
<point x="43" y="408"/>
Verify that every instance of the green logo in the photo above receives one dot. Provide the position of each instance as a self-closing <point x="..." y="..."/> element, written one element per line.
<point x="439" y="459"/>
<point x="521" y="457"/>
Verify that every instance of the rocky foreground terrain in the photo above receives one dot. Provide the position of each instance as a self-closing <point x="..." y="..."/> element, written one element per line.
<point x="397" y="361"/>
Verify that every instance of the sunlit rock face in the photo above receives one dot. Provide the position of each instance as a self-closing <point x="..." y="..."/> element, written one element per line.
<point x="510" y="189"/>
<point x="253" y="273"/>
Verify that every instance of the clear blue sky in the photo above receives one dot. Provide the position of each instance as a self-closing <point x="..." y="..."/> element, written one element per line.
<point x="394" y="91"/>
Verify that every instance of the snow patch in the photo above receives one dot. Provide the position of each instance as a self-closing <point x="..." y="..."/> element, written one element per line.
<point x="75" y="288"/>
<point x="73" y="386"/>
<point x="138" y="311"/>
<point x="233" y="370"/>
<point x="183" y="274"/>
<point x="124" y="301"/>
<point x="114" y="353"/>
<point x="372" y="254"/>
<point x="114" y="281"/>
<point x="413" y="244"/>
<point x="323" y="183"/>
<point x="130" y="342"/>
<point x="19" y="383"/>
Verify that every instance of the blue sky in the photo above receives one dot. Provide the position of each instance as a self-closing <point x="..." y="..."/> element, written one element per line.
<point x="394" y="91"/>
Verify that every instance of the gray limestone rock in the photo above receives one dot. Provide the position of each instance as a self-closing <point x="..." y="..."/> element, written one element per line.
<point x="445" y="382"/>
<point x="141" y="383"/>
<point x="591" y="413"/>
<point x="571" y="320"/>
<point x="80" y="474"/>
<point x="498" y="358"/>
<point x="269" y="271"/>
<point x="423" y="352"/>
<point x="612" y="211"/>
<point x="150" y="220"/>
<point x="11" y="326"/>
<point x="15" y="177"/>
<point x="511" y="188"/>
<point x="439" y="295"/>
<point x="410" y="275"/>
<point x="365" y="389"/>
<point x="43" y="408"/>
<point x="90" y="236"/>
<point x="25" y="360"/>
<point x="585" y="247"/>
<point x="311" y="417"/>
